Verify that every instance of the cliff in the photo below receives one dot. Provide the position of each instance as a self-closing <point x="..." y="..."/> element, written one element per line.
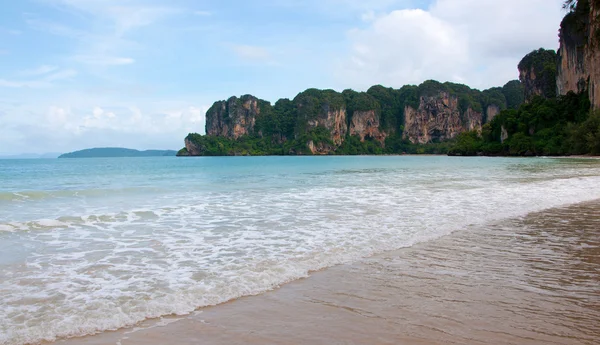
<point x="233" y="118"/>
<point x="439" y="118"/>
<point x="537" y="73"/>
<point x="322" y="109"/>
<point x="329" y="122"/>
<point x="366" y="124"/>
<point x="579" y="53"/>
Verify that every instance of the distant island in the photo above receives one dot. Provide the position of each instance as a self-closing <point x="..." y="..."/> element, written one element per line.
<point x="106" y="152"/>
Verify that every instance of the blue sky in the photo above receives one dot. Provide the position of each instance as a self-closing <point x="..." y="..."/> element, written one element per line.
<point x="141" y="73"/>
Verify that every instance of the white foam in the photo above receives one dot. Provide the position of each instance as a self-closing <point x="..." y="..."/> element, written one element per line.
<point x="50" y="223"/>
<point x="7" y="228"/>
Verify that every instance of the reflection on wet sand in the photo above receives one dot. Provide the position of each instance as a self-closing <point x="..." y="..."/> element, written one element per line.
<point x="534" y="280"/>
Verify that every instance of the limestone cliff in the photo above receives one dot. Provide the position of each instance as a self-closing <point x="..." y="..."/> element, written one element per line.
<point x="365" y="124"/>
<point x="192" y="149"/>
<point x="334" y="120"/>
<point x="593" y="55"/>
<point x="491" y="111"/>
<point x="537" y="73"/>
<point x="320" y="148"/>
<point x="325" y="109"/>
<point x="380" y="120"/>
<point x="439" y="118"/>
<point x="233" y="118"/>
<point x="579" y="53"/>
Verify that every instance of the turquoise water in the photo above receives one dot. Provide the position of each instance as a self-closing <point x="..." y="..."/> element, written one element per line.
<point x="88" y="245"/>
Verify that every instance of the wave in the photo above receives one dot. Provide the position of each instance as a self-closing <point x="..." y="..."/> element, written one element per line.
<point x="38" y="195"/>
<point x="66" y="222"/>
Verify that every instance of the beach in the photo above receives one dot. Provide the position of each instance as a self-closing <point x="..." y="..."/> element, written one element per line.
<point x="527" y="280"/>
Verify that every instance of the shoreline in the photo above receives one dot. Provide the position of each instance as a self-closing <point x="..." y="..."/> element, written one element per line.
<point x="430" y="293"/>
<point x="400" y="155"/>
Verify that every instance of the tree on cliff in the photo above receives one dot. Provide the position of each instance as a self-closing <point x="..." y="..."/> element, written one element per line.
<point x="537" y="72"/>
<point x="570" y="5"/>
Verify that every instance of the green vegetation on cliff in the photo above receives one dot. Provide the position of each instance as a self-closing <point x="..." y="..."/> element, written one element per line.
<point x="546" y="124"/>
<point x="514" y="93"/>
<point x="538" y="73"/>
<point x="556" y="126"/>
<point x="304" y="125"/>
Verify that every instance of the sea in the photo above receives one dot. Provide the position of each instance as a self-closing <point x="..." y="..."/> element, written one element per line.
<point x="99" y="244"/>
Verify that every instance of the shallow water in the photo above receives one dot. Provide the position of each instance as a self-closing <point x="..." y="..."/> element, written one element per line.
<point x="526" y="280"/>
<point x="94" y="245"/>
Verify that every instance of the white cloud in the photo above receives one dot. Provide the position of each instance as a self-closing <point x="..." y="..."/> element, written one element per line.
<point x="59" y="119"/>
<point x="103" y="60"/>
<point x="191" y="118"/>
<point x="136" y="115"/>
<point x="10" y="31"/>
<point x="248" y="52"/>
<point x="124" y="15"/>
<point x="99" y="113"/>
<point x="39" y="70"/>
<point x="60" y="75"/>
<point x="54" y="28"/>
<point x="368" y="16"/>
<point x="23" y="83"/>
<point x="108" y="39"/>
<point x="127" y="18"/>
<point x="131" y="126"/>
<point x="46" y="79"/>
<point x="477" y="42"/>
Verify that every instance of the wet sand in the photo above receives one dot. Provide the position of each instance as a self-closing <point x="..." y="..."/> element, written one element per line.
<point x="534" y="280"/>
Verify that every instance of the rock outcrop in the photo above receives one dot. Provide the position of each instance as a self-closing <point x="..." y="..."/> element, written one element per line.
<point x="192" y="149"/>
<point x="438" y="118"/>
<point x="537" y="73"/>
<point x="334" y="120"/>
<point x="365" y="124"/>
<point x="491" y="112"/>
<point x="579" y="53"/>
<point x="320" y="148"/>
<point x="233" y="118"/>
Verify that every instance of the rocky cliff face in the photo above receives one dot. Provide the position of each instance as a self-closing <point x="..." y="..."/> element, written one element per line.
<point x="327" y="121"/>
<point x="438" y="118"/>
<point x="579" y="53"/>
<point x="366" y="124"/>
<point x="491" y="112"/>
<point x="529" y="79"/>
<point x="319" y="148"/>
<point x="592" y="56"/>
<point x="192" y="148"/>
<point x="537" y="73"/>
<point x="334" y="120"/>
<point x="232" y="118"/>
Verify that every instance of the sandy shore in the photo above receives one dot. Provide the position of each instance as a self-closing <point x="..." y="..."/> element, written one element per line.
<point x="526" y="281"/>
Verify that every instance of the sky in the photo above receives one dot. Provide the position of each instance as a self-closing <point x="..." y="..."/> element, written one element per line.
<point x="141" y="74"/>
